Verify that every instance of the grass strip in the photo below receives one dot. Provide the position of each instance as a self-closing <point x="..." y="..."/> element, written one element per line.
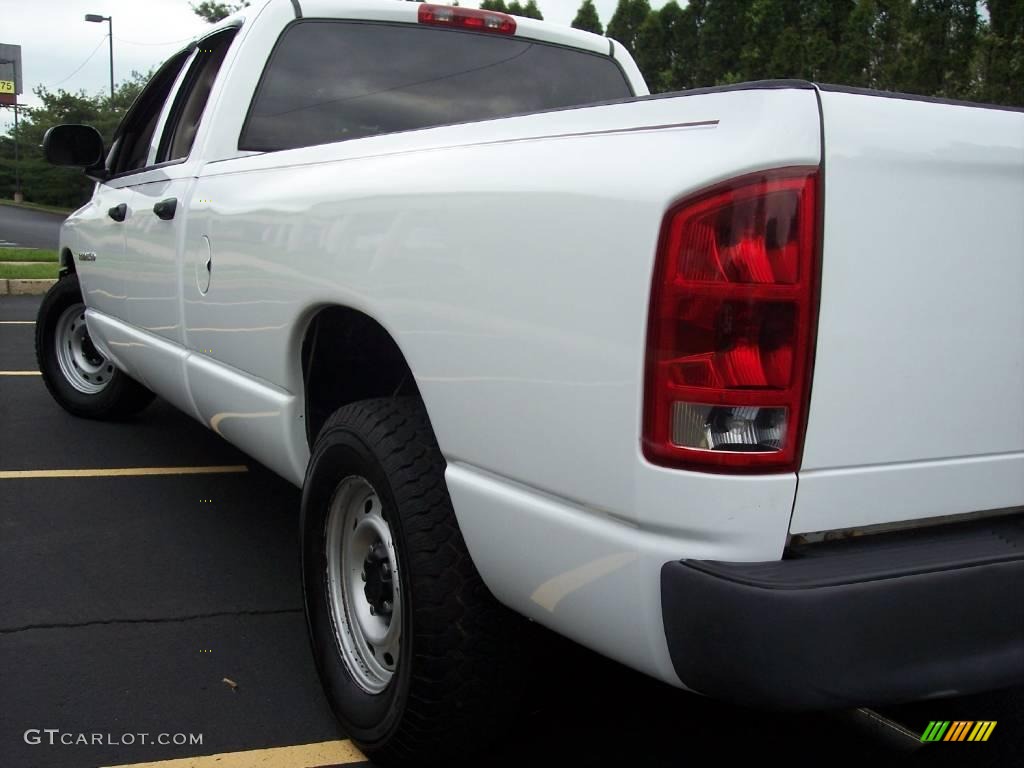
<point x="27" y="271"/>
<point x="27" y="254"/>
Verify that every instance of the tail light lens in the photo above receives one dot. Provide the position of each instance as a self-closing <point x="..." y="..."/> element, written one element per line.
<point x="468" y="19"/>
<point x="732" y="325"/>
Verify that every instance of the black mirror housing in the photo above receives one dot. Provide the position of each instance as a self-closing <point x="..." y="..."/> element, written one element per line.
<point x="79" y="146"/>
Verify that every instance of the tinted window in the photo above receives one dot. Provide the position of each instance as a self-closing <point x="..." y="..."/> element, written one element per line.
<point x="183" y="122"/>
<point x="133" y="137"/>
<point x="329" y="81"/>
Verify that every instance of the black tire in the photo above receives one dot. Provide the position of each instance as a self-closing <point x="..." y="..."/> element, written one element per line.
<point x="462" y="653"/>
<point x="120" y="397"/>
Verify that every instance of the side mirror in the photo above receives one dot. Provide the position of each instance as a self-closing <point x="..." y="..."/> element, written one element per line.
<point x="76" y="145"/>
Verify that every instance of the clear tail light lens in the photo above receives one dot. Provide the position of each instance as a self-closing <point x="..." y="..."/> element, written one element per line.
<point x="732" y="323"/>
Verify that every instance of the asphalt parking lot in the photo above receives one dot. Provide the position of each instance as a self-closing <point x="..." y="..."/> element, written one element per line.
<point x="22" y="227"/>
<point x="128" y="598"/>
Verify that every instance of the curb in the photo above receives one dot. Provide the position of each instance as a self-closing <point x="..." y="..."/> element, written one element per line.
<point x="24" y="287"/>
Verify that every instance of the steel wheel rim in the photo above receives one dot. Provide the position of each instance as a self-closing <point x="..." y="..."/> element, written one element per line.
<point x="83" y="366"/>
<point x="360" y="551"/>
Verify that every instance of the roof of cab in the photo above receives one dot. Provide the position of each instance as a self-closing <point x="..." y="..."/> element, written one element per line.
<point x="401" y="11"/>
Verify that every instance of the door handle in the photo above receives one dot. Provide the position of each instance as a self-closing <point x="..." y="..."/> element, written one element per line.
<point x="165" y="208"/>
<point x="118" y="212"/>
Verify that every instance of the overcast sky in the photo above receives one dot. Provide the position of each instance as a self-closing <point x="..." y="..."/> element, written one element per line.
<point x="56" y="42"/>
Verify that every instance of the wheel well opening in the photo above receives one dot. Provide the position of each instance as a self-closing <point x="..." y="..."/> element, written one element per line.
<point x="67" y="262"/>
<point x="348" y="356"/>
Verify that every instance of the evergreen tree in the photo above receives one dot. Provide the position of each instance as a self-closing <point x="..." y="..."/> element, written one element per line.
<point x="494" y="5"/>
<point x="766" y="22"/>
<point x="891" y="59"/>
<point x="651" y="52"/>
<point x="626" y="22"/>
<point x="658" y="47"/>
<point x="670" y="17"/>
<point x="943" y="45"/>
<point x="722" y="40"/>
<point x="876" y="45"/>
<point x="854" y="63"/>
<point x="587" y="18"/>
<point x="821" y="27"/>
<point x="531" y="11"/>
<point x="1002" y="53"/>
<point x="685" y="44"/>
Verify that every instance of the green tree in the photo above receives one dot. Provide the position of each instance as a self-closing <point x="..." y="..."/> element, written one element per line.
<point x="211" y="11"/>
<point x="1001" y="61"/>
<point x="660" y="47"/>
<point x="823" y="24"/>
<point x="587" y="18"/>
<point x="528" y="11"/>
<point x="766" y="22"/>
<point x="531" y="11"/>
<point x="855" y="56"/>
<point x="626" y="22"/>
<point x="877" y="45"/>
<point x="651" y="52"/>
<point x="723" y="37"/>
<point x="684" y="43"/>
<point x="494" y="5"/>
<point x="794" y="39"/>
<point x="891" y="60"/>
<point x="943" y="45"/>
<point x="45" y="183"/>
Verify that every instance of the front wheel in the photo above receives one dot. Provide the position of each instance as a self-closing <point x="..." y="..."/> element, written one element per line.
<point x="79" y="377"/>
<point x="418" y="660"/>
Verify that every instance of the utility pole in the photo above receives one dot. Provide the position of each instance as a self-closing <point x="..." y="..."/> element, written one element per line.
<point x="110" y="37"/>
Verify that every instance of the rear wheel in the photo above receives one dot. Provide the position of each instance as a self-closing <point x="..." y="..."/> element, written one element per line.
<point x="419" y="661"/>
<point x="80" y="378"/>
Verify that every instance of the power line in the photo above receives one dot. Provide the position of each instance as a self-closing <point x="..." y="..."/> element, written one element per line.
<point x="168" y="42"/>
<point x="102" y="39"/>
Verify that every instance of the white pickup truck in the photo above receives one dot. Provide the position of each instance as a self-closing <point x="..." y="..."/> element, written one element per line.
<point x="727" y="385"/>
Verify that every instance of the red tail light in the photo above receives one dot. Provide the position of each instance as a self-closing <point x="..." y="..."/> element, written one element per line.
<point x="468" y="19"/>
<point x="732" y="324"/>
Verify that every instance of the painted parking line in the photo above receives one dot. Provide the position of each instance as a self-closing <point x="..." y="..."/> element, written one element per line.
<point x="20" y="373"/>
<point x="319" y="755"/>
<point x="17" y="322"/>
<point x="29" y="474"/>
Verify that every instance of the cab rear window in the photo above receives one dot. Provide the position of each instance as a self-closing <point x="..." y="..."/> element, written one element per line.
<point x="330" y="81"/>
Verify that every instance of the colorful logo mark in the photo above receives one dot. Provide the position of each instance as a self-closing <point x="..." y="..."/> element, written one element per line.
<point x="958" y="730"/>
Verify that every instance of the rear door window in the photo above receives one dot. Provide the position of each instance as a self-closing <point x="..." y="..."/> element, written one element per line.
<point x="190" y="103"/>
<point x="329" y="81"/>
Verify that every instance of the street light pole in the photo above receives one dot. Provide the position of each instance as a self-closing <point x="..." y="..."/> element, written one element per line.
<point x="110" y="36"/>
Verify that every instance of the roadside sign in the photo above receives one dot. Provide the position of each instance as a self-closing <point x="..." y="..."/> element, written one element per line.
<point x="10" y="69"/>
<point x="10" y="73"/>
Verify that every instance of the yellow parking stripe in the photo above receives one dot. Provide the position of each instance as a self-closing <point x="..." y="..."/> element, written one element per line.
<point x="324" y="753"/>
<point x="28" y="474"/>
<point x="20" y="373"/>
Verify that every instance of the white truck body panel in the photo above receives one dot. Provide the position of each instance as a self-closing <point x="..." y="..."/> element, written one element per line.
<point x="511" y="262"/>
<point x="917" y="405"/>
<point x="529" y="396"/>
